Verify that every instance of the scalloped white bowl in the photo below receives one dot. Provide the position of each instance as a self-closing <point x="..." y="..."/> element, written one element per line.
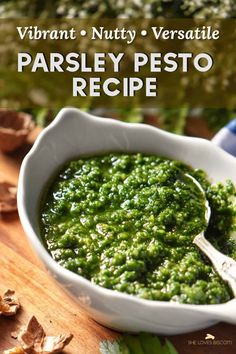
<point x="74" y="133"/>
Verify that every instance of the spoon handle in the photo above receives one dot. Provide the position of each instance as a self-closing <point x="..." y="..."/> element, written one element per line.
<point x="224" y="265"/>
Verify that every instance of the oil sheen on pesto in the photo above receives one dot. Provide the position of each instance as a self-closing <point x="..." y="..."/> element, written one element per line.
<point x="127" y="222"/>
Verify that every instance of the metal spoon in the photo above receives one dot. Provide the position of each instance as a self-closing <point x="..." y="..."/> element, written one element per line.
<point x="224" y="265"/>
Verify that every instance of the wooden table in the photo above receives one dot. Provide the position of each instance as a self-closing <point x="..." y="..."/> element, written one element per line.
<point x="40" y="296"/>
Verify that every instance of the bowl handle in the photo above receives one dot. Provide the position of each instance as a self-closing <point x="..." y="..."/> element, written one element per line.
<point x="224" y="312"/>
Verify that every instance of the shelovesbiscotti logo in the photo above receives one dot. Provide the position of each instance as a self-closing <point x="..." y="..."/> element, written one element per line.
<point x="210" y="339"/>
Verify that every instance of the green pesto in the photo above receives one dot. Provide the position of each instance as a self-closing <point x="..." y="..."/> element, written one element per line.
<point x="127" y="222"/>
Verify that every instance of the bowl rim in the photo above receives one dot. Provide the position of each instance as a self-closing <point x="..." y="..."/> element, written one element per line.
<point x="51" y="264"/>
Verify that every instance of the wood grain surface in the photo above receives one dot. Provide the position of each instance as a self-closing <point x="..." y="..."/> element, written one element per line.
<point x="40" y="296"/>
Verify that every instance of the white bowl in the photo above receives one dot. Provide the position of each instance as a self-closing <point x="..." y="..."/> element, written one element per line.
<point x="74" y="133"/>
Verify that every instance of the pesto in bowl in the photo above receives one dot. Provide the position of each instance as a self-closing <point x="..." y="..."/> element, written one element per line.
<point x="127" y="221"/>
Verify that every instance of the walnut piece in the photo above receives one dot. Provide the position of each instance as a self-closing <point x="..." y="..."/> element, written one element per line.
<point x="7" y="197"/>
<point x="34" y="340"/>
<point x="14" y="129"/>
<point x="9" y="303"/>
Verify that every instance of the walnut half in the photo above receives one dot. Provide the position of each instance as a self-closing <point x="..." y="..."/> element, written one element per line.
<point x="7" y="197"/>
<point x="9" y="303"/>
<point x="33" y="340"/>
